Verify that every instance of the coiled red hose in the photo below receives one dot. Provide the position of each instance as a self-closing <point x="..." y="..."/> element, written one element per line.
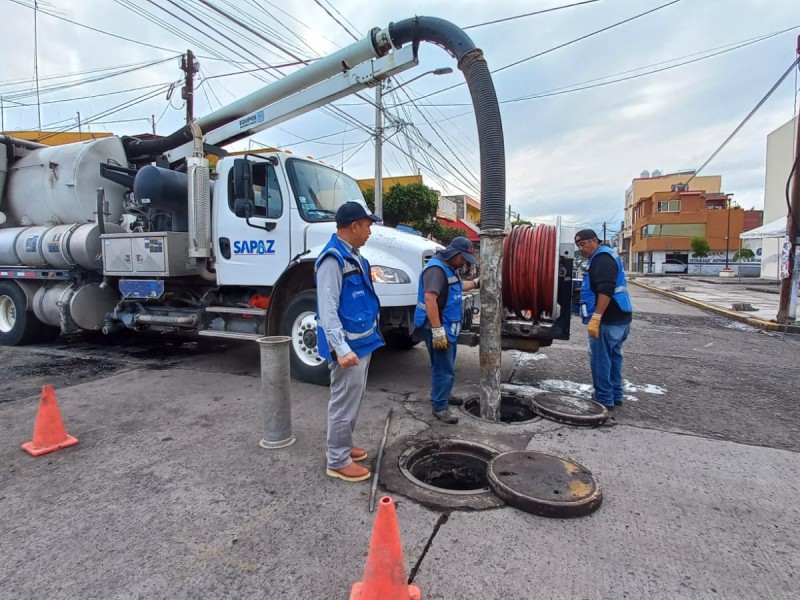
<point x="529" y="256"/>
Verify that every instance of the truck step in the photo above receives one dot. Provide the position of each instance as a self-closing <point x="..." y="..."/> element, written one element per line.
<point x="235" y="335"/>
<point x="235" y="310"/>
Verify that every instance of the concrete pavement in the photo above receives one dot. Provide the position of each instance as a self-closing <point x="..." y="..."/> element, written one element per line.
<point x="725" y="297"/>
<point x="168" y="494"/>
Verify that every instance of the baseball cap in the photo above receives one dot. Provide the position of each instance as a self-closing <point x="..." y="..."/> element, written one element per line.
<point x="350" y="212"/>
<point x="459" y="245"/>
<point x="585" y="234"/>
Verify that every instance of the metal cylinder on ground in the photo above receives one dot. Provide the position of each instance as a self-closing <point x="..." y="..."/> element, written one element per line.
<point x="276" y="402"/>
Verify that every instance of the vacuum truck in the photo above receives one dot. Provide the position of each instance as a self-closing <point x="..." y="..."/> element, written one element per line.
<point x="124" y="233"/>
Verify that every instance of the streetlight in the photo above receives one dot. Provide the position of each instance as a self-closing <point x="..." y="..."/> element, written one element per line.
<point x="379" y="134"/>
<point x="726" y="270"/>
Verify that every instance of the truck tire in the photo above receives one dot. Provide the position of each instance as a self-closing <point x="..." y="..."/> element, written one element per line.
<point x="17" y="325"/>
<point x="299" y="323"/>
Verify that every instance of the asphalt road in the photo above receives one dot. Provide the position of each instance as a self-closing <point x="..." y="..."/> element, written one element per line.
<point x="168" y="495"/>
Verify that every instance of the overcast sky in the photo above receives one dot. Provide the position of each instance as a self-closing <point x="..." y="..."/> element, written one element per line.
<point x="571" y="154"/>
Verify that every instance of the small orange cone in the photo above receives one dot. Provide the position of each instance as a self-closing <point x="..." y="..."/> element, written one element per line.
<point x="49" y="434"/>
<point x="385" y="573"/>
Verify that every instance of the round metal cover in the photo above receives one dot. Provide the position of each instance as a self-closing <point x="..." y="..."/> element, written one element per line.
<point x="569" y="409"/>
<point x="544" y="485"/>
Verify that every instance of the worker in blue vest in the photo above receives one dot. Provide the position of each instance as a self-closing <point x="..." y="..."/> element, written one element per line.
<point x="439" y="312"/>
<point x="347" y="334"/>
<point x="606" y="307"/>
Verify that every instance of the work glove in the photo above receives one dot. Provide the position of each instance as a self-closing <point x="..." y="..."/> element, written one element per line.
<point x="594" y="326"/>
<point x="477" y="283"/>
<point x="440" y="342"/>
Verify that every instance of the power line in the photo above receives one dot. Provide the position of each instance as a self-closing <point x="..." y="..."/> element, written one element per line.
<point x="564" y="45"/>
<point x="538" y="12"/>
<point x="337" y="20"/>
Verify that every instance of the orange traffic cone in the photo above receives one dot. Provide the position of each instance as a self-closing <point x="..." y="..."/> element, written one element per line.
<point x="385" y="573"/>
<point x="48" y="431"/>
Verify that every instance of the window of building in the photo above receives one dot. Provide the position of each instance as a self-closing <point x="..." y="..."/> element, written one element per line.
<point x="674" y="230"/>
<point x="680" y="187"/>
<point x="669" y="206"/>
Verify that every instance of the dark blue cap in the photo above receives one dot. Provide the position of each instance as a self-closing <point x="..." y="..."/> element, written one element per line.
<point x="459" y="245"/>
<point x="349" y="212"/>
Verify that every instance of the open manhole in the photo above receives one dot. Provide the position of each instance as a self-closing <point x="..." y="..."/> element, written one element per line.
<point x="513" y="409"/>
<point x="448" y="466"/>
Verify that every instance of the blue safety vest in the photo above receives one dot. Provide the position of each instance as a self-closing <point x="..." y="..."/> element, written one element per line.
<point x="359" y="307"/>
<point x="589" y="299"/>
<point x="452" y="313"/>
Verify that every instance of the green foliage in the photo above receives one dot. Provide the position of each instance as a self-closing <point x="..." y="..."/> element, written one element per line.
<point x="446" y="234"/>
<point x="700" y="247"/>
<point x="743" y="254"/>
<point x="414" y="205"/>
<point x="369" y="197"/>
<point x="521" y="222"/>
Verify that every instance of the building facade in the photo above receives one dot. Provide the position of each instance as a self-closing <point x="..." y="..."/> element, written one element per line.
<point x="664" y="223"/>
<point x="650" y="183"/>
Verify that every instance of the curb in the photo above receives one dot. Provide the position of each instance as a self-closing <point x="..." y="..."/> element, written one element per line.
<point x="760" y="323"/>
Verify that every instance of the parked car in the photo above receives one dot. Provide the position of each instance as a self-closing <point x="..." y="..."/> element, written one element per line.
<point x="673" y="265"/>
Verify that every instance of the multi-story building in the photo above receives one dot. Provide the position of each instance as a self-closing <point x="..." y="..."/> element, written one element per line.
<point x="648" y="184"/>
<point x="664" y="223"/>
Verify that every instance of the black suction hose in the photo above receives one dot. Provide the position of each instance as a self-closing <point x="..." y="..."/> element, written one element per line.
<point x="484" y="99"/>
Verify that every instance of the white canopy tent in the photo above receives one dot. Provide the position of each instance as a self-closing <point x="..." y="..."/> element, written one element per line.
<point x="766" y="241"/>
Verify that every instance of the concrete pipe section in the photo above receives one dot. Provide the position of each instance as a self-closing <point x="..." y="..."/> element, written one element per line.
<point x="446" y="473"/>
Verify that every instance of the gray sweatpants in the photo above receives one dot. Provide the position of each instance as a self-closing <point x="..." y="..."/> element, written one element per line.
<point x="347" y="393"/>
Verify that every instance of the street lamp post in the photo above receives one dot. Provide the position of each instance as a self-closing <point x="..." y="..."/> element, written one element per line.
<point x="727" y="272"/>
<point x="379" y="134"/>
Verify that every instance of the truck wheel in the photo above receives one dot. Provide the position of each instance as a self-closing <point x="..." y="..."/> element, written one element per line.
<point x="300" y="324"/>
<point x="17" y="325"/>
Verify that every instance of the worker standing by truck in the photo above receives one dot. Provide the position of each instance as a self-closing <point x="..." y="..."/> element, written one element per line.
<point x="606" y="308"/>
<point x="347" y="333"/>
<point x="439" y="312"/>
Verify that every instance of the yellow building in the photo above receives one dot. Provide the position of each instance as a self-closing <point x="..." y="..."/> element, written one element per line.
<point x="388" y="182"/>
<point x="651" y="183"/>
<point x="57" y="138"/>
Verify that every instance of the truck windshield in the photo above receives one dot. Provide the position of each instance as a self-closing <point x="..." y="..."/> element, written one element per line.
<point x="320" y="190"/>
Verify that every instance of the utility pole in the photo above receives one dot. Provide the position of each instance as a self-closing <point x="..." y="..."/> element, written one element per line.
<point x="787" y="308"/>
<point x="604" y="232"/>
<point x="36" y="58"/>
<point x="2" y="115"/>
<point x="189" y="66"/>
<point x="379" y="150"/>
<point x="79" y="124"/>
<point x="153" y="122"/>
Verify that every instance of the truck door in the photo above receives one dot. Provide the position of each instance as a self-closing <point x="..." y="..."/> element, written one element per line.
<point x="254" y="254"/>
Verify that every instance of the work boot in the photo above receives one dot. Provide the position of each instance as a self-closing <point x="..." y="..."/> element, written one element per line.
<point x="618" y="402"/>
<point x="446" y="416"/>
<point x="359" y="454"/>
<point x="351" y="472"/>
<point x="455" y="401"/>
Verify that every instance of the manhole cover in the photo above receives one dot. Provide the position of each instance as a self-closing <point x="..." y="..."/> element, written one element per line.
<point x="544" y="485"/>
<point x="569" y="409"/>
<point x="513" y="409"/>
<point x="448" y="466"/>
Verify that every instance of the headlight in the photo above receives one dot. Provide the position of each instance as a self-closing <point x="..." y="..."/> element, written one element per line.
<point x="388" y="275"/>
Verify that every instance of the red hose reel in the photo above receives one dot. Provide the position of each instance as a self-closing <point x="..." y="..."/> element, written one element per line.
<point x="529" y="256"/>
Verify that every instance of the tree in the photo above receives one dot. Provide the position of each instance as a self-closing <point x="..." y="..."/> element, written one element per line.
<point x="743" y="254"/>
<point x="446" y="234"/>
<point x="369" y="197"/>
<point x="700" y="249"/>
<point x="414" y="205"/>
<point x="520" y="222"/>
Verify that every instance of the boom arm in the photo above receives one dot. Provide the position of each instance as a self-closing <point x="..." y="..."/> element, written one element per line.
<point x="362" y="76"/>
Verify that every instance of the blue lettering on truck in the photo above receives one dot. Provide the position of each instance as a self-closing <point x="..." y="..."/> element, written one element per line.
<point x="252" y="247"/>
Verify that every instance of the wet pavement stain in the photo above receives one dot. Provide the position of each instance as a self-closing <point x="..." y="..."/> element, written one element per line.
<point x="24" y="380"/>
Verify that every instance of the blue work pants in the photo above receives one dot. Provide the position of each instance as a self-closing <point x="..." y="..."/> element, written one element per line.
<point x="443" y="372"/>
<point x="605" y="358"/>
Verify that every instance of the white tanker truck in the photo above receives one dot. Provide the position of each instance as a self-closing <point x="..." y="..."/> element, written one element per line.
<point x="124" y="233"/>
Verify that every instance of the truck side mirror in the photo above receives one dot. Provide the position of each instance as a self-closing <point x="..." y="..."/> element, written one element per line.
<point x="243" y="186"/>
<point x="243" y="208"/>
